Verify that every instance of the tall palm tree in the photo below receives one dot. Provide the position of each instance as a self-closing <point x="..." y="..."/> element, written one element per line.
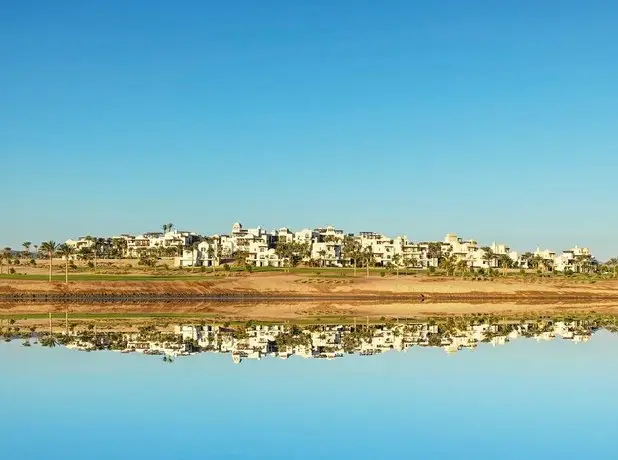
<point x="448" y="263"/>
<point x="170" y="227"/>
<point x="505" y="262"/>
<point x="434" y="251"/>
<point x="211" y="256"/>
<point x="351" y="250"/>
<point x="396" y="262"/>
<point x="49" y="248"/>
<point x="462" y="267"/>
<point x="193" y="247"/>
<point x="526" y="259"/>
<point x="322" y="254"/>
<point x="2" y="257"/>
<point x="165" y="228"/>
<point x="96" y="243"/>
<point x="66" y="251"/>
<point x="368" y="258"/>
<point x="26" y="245"/>
<point x="488" y="256"/>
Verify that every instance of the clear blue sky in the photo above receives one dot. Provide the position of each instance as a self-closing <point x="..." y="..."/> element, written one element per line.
<point x="524" y="400"/>
<point x="495" y="120"/>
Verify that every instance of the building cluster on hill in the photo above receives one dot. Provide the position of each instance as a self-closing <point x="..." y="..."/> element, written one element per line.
<point x="328" y="247"/>
<point x="328" y="341"/>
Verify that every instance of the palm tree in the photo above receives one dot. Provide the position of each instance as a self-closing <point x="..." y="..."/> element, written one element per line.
<point x="367" y="256"/>
<point x="211" y="256"/>
<point x="2" y="257"/>
<point x="322" y="254"/>
<point x="527" y="258"/>
<point x="66" y="251"/>
<point x="396" y="261"/>
<point x="26" y="245"/>
<point x="488" y="256"/>
<point x="285" y="252"/>
<point x="352" y="250"/>
<point x="193" y="250"/>
<point x="462" y="267"/>
<point x="49" y="248"/>
<point x="536" y="261"/>
<point x="434" y="251"/>
<point x="170" y="227"/>
<point x="411" y="262"/>
<point x="448" y="263"/>
<point x="96" y="243"/>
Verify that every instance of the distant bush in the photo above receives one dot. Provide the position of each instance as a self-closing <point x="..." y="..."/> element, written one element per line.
<point x="11" y="271"/>
<point x="16" y="262"/>
<point x="382" y="274"/>
<point x="226" y="267"/>
<point x="33" y="262"/>
<point x="432" y="270"/>
<point x="249" y="268"/>
<point x="90" y="264"/>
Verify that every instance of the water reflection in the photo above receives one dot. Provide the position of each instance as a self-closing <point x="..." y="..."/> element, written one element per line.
<point x="256" y="341"/>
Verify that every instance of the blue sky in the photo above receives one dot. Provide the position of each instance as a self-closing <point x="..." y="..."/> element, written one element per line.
<point x="495" y="120"/>
<point x="524" y="400"/>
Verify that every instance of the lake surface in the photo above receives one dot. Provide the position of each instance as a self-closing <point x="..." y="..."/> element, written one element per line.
<point x="527" y="399"/>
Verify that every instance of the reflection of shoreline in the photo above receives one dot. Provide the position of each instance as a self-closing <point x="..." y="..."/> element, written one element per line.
<point x="253" y="297"/>
<point x="309" y="310"/>
<point x="255" y="341"/>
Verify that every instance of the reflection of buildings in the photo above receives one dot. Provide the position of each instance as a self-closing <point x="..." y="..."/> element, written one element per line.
<point x="327" y="341"/>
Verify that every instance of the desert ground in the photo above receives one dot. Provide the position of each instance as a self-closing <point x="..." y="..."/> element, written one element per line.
<point x="343" y="296"/>
<point x="309" y="284"/>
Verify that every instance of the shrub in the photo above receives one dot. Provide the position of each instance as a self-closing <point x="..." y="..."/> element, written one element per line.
<point x="382" y="274"/>
<point x="90" y="264"/>
<point x="226" y="267"/>
<point x="202" y="268"/>
<point x="16" y="262"/>
<point x="33" y="262"/>
<point x="11" y="271"/>
<point x="432" y="270"/>
<point x="249" y="268"/>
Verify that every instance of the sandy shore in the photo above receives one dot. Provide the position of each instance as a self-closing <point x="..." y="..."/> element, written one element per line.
<point x="280" y="283"/>
<point x="275" y="310"/>
<point x="441" y="296"/>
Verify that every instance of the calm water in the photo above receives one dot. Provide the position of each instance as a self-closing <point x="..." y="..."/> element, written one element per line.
<point x="527" y="399"/>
